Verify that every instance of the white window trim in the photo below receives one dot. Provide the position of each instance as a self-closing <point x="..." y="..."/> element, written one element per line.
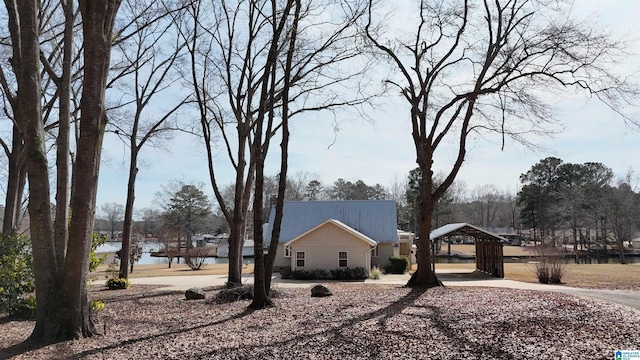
<point x="345" y="259"/>
<point x="374" y="251"/>
<point x="287" y="251"/>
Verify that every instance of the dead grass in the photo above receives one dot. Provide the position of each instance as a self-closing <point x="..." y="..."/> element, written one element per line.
<point x="588" y="276"/>
<point x="507" y="250"/>
<point x="142" y="271"/>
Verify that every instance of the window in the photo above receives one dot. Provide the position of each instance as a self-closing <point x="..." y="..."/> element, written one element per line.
<point x="287" y="252"/>
<point x="300" y="259"/>
<point x="342" y="258"/>
<point x="374" y="252"/>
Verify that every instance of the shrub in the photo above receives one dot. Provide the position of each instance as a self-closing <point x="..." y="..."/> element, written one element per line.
<point x="286" y="272"/>
<point x="97" y="305"/>
<point x="94" y="259"/>
<point x="229" y="295"/>
<point x="16" y="276"/>
<point x="375" y="273"/>
<point x="320" y="274"/>
<point x="118" y="283"/>
<point x="399" y="264"/>
<point x="24" y="307"/>
<point x="315" y="274"/>
<point x="196" y="257"/>
<point x="556" y="271"/>
<point x="340" y="274"/>
<point x="550" y="267"/>
<point x="358" y="273"/>
<point x="542" y="272"/>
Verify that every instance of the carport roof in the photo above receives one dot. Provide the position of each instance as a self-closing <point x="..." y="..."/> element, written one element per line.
<point x="465" y="229"/>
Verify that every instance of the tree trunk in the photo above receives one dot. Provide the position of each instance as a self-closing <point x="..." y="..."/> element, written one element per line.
<point x="15" y="183"/>
<point x="98" y="18"/>
<point x="128" y="215"/>
<point x="284" y="153"/>
<point x="620" y="243"/>
<point x="62" y="142"/>
<point x="260" y="298"/>
<point x="29" y="115"/>
<point x="575" y="243"/>
<point x="425" y="275"/>
<point x="235" y="262"/>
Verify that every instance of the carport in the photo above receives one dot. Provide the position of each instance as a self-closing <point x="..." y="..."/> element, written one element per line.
<point x="489" y="256"/>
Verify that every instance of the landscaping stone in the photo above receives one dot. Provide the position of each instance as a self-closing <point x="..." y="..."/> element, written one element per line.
<point x="194" y="294"/>
<point x="320" y="291"/>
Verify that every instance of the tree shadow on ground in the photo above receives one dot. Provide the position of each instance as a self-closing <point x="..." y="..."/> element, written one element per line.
<point x="338" y="334"/>
<point x="463" y="342"/>
<point x="112" y="297"/>
<point x="121" y="344"/>
<point x="383" y="314"/>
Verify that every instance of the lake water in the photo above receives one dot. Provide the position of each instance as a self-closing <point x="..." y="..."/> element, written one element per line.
<point x="149" y="247"/>
<point x="568" y="260"/>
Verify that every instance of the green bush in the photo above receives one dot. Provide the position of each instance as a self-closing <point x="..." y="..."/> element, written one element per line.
<point x="118" y="283"/>
<point x="24" y="308"/>
<point x="94" y="259"/>
<point x="97" y="305"/>
<point x="16" y="276"/>
<point x="399" y="264"/>
<point x="315" y="274"/>
<point x="285" y="273"/>
<point x="358" y="273"/>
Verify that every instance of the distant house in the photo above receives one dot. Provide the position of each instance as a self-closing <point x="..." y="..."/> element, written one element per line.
<point x="334" y="234"/>
<point x="247" y="249"/>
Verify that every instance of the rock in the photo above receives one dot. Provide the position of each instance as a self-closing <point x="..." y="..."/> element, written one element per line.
<point x="320" y="291"/>
<point x="194" y="294"/>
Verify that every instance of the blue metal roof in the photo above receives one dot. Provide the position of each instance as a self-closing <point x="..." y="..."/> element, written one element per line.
<point x="373" y="218"/>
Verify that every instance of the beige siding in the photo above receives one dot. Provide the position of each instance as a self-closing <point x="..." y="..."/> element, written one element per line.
<point x="280" y="260"/>
<point x="385" y="251"/>
<point x="321" y="248"/>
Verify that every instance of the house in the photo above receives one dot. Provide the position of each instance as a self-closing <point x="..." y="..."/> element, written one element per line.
<point x="247" y="249"/>
<point x="334" y="234"/>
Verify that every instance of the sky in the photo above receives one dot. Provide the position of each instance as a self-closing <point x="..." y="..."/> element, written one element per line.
<point x="380" y="149"/>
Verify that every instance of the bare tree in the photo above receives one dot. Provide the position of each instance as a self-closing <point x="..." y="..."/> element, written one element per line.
<point x="113" y="213"/>
<point x="239" y="57"/>
<point x="623" y="203"/>
<point x="485" y="67"/>
<point x="151" y="59"/>
<point x="56" y="37"/>
<point x="486" y="203"/>
<point x="62" y="304"/>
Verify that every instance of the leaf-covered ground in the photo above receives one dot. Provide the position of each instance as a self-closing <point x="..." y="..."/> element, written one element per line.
<point x="359" y="322"/>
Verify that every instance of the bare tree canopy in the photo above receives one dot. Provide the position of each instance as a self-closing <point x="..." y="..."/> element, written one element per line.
<point x="247" y="78"/>
<point x="488" y="66"/>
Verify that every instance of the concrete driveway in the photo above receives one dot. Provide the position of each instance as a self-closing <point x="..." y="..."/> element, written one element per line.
<point x="449" y="277"/>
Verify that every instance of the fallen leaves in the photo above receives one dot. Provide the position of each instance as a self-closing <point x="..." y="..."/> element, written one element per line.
<point x="360" y="321"/>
